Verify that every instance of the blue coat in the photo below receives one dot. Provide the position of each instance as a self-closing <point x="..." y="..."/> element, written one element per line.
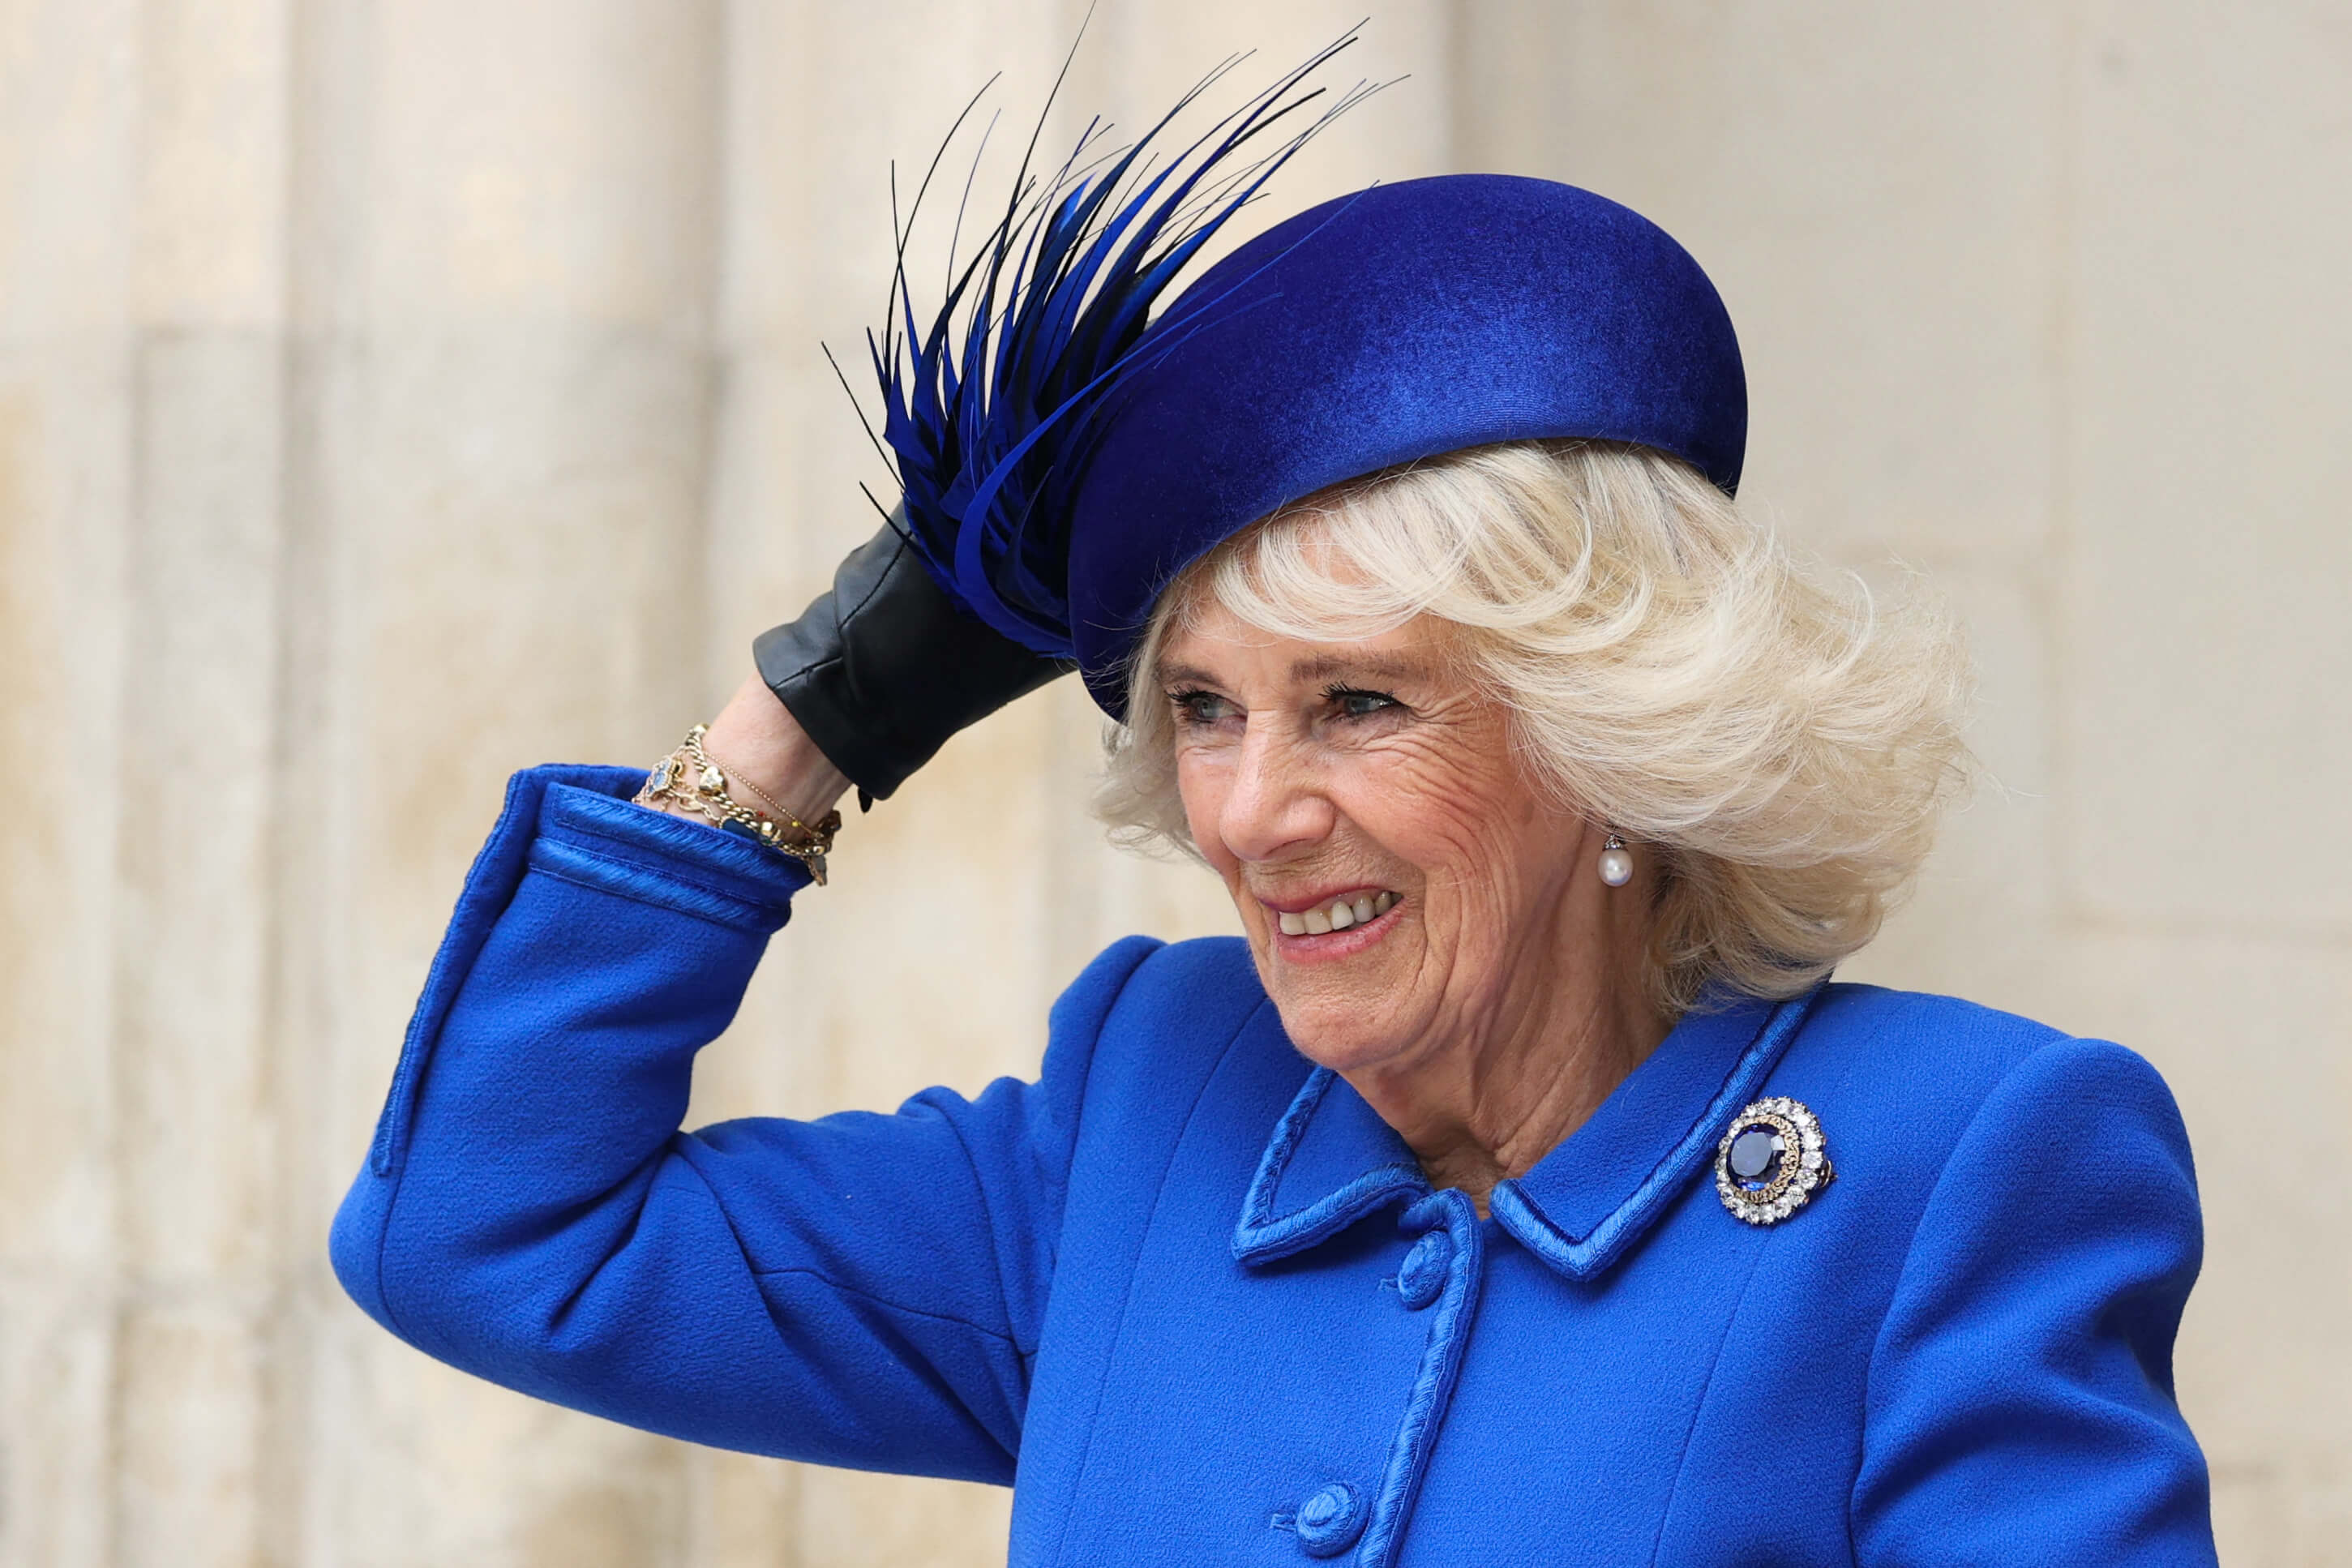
<point x="1196" y="1303"/>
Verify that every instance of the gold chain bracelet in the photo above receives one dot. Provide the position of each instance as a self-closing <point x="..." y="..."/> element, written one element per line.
<point x="689" y="777"/>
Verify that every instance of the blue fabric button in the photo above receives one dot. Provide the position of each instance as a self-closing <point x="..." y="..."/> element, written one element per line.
<point x="1330" y="1522"/>
<point x="1424" y="1274"/>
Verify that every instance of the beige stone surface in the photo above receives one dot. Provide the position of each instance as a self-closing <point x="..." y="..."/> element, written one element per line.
<point x="2206" y="618"/>
<point x="1875" y="189"/>
<point x="393" y="393"/>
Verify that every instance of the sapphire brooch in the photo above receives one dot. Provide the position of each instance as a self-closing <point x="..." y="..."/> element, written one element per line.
<point x="1772" y="1162"/>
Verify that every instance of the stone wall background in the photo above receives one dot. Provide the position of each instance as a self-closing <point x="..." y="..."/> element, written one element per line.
<point x="393" y="393"/>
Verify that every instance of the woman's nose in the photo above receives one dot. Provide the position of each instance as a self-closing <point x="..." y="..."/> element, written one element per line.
<point x="1275" y="804"/>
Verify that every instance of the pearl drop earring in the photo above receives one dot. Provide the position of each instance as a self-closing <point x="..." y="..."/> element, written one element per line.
<point x="1616" y="862"/>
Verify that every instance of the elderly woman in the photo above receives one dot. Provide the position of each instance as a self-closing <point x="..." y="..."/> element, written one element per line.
<point x="1517" y="1190"/>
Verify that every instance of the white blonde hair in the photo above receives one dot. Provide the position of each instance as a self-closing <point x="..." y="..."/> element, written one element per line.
<point x="1781" y="747"/>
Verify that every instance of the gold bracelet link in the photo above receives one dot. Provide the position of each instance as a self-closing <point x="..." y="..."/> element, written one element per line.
<point x="689" y="777"/>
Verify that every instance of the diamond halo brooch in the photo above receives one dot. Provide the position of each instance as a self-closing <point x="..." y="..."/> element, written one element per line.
<point x="1772" y="1162"/>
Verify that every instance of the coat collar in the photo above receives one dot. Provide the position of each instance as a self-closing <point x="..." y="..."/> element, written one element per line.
<point x="1331" y="1160"/>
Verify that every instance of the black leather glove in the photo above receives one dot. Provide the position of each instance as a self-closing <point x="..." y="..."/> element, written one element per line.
<point x="884" y="669"/>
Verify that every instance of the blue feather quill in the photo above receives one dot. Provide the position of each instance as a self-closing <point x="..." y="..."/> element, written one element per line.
<point x="986" y="409"/>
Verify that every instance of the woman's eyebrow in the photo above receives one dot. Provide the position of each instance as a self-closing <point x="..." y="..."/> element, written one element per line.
<point x="1364" y="667"/>
<point x="1322" y="667"/>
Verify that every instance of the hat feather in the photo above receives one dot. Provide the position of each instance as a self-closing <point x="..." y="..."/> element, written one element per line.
<point x="986" y="409"/>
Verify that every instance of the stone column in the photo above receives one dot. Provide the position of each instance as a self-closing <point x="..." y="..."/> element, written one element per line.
<point x="505" y="281"/>
<point x="200" y="1130"/>
<point x="144" y="423"/>
<point x="69" y="183"/>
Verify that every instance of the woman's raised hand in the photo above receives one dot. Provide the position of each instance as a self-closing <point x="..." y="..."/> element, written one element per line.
<point x="879" y="671"/>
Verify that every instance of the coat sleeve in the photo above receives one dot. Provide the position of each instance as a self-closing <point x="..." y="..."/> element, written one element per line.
<point x="2021" y="1403"/>
<point x="862" y="1290"/>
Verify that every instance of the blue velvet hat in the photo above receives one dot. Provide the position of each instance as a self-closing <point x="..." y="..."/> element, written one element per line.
<point x="1396" y="324"/>
<point x="1066" y="459"/>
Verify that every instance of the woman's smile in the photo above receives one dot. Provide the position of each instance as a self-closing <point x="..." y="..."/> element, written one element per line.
<point x="1331" y="928"/>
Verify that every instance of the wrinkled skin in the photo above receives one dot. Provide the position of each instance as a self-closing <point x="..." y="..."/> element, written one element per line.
<point x="1502" y="999"/>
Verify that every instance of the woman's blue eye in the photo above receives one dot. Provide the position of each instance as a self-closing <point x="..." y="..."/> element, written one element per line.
<point x="1354" y="704"/>
<point x="1198" y="707"/>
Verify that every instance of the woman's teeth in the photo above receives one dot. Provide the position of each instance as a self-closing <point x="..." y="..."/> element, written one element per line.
<point x="1336" y="915"/>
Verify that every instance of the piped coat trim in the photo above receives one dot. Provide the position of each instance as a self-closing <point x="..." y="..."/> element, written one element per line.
<point x="1586" y="1202"/>
<point x="1441" y="1367"/>
<point x="1264" y="1236"/>
<point x="1520" y="1211"/>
